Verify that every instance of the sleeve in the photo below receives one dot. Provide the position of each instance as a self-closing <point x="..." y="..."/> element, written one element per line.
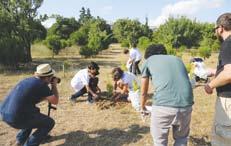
<point x="226" y="55"/>
<point x="44" y="91"/>
<point x="145" y="70"/>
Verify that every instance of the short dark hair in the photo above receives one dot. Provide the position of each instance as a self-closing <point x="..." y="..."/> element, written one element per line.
<point x="224" y="20"/>
<point x="93" y="65"/>
<point x="155" y="49"/>
<point x="117" y="73"/>
<point x="126" y="51"/>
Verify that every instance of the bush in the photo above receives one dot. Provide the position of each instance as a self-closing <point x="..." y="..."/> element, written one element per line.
<point x="204" y="52"/>
<point x="216" y="45"/>
<point x="63" y="43"/>
<point x="79" y="37"/>
<point x="85" y="51"/>
<point x="125" y="43"/>
<point x="123" y="67"/>
<point x="144" y="42"/>
<point x="109" y="88"/>
<point x="171" y="51"/>
<point x="182" y="48"/>
<point x="188" y="67"/>
<point x="193" y="52"/>
<point x="53" y="42"/>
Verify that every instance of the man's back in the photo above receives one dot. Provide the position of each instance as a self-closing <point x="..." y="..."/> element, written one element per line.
<point x="21" y="101"/>
<point x="135" y="54"/>
<point x="170" y="79"/>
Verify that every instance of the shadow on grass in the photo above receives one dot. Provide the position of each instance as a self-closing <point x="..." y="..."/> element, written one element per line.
<point x="104" y="137"/>
<point x="200" y="141"/>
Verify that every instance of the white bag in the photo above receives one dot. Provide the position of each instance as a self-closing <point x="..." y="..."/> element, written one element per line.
<point x="134" y="97"/>
<point x="128" y="64"/>
<point x="200" y="70"/>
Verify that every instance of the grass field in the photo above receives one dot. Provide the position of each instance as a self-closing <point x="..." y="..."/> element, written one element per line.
<point x="82" y="124"/>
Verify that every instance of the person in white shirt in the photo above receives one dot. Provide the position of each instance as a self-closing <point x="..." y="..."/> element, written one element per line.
<point x="128" y="85"/>
<point x="134" y="59"/>
<point x="85" y="81"/>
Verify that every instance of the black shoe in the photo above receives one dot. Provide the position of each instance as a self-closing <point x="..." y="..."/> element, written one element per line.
<point x="19" y="143"/>
<point x="72" y="100"/>
<point x="46" y="139"/>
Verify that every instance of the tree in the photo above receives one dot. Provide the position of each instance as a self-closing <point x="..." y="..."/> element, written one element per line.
<point x="53" y="42"/>
<point x="144" y="42"/>
<point x="80" y="37"/>
<point x="85" y="16"/>
<point x="19" y="20"/>
<point x="209" y="40"/>
<point x="178" y="32"/>
<point x="99" y="38"/>
<point x="126" y="30"/>
<point x="63" y="27"/>
<point x="147" y="32"/>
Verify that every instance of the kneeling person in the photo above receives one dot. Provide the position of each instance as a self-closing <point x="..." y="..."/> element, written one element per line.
<point x="85" y="81"/>
<point x="19" y="108"/>
<point x="128" y="85"/>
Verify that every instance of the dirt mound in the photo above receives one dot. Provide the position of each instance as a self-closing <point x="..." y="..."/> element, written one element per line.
<point x="103" y="104"/>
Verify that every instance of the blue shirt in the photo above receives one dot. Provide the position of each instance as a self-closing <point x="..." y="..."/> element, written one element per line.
<point x="21" y="102"/>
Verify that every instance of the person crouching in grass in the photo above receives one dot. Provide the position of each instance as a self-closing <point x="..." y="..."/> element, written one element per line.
<point x="85" y="81"/>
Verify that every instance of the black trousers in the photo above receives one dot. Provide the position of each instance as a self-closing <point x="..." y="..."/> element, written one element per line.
<point x="135" y="67"/>
<point x="93" y="82"/>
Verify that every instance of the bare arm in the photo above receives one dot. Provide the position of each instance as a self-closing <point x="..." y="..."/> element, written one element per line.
<point x="144" y="91"/>
<point x="211" y="72"/>
<point x="92" y="92"/>
<point x="98" y="89"/>
<point x="125" y="89"/>
<point x="54" y="99"/>
<point x="222" y="79"/>
<point x="115" y="86"/>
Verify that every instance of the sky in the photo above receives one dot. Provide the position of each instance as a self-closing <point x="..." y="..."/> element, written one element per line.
<point x="157" y="12"/>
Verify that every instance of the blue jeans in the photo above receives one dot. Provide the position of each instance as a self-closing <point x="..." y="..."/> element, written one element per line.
<point x="41" y="122"/>
<point x="80" y="93"/>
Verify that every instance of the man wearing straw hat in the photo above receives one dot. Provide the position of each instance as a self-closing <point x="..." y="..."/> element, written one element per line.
<point x="19" y="109"/>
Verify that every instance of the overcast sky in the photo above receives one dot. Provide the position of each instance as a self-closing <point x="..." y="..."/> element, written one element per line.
<point x="156" y="11"/>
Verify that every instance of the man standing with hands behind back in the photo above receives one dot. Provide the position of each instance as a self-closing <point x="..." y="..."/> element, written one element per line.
<point x="221" y="135"/>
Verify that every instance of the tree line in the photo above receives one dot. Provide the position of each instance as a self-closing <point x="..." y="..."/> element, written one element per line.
<point x="21" y="27"/>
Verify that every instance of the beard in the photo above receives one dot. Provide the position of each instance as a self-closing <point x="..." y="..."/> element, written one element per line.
<point x="221" y="40"/>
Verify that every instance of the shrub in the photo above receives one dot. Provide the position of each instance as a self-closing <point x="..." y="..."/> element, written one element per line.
<point x="125" y="43"/>
<point x="204" y="52"/>
<point x="53" y="42"/>
<point x="109" y="88"/>
<point x="144" y="42"/>
<point x="85" y="51"/>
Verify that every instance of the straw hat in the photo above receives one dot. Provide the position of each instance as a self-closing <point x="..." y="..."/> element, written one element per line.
<point x="43" y="70"/>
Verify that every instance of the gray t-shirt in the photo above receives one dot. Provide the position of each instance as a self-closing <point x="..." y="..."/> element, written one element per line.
<point x="170" y="80"/>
